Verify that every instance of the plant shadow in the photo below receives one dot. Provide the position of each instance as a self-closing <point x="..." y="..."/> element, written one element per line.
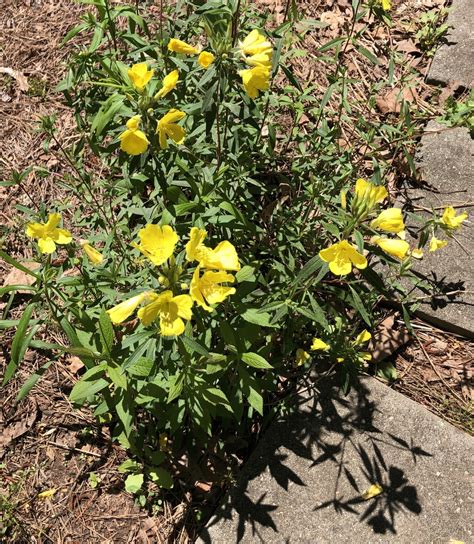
<point x="336" y="435"/>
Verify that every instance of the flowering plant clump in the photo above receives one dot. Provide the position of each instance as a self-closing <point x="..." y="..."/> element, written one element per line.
<point x="215" y="254"/>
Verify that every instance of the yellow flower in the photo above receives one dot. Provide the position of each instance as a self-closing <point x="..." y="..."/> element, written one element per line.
<point x="301" y="357"/>
<point x="94" y="256"/>
<point x="260" y="59"/>
<point x="451" y="220"/>
<point x="140" y="75"/>
<point x="254" y="44"/>
<point x="369" y="194"/>
<point x="222" y="257"/>
<point x="386" y="4"/>
<point x="178" y="46"/>
<point x="390" y="220"/>
<point x="205" y="59"/>
<point x="372" y="492"/>
<point x="157" y="243"/>
<point x="417" y="253"/>
<point x="394" y="247"/>
<point x="169" y="310"/>
<point x="167" y="128"/>
<point x="207" y="289"/>
<point x="341" y="257"/>
<point x="169" y="83"/>
<point x="436" y="244"/>
<point x="362" y="338"/>
<point x="255" y="79"/>
<point x="133" y="140"/>
<point x="319" y="345"/>
<point x="48" y="234"/>
<point x="120" y="312"/>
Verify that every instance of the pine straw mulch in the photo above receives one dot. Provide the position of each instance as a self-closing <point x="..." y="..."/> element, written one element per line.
<point x="48" y="446"/>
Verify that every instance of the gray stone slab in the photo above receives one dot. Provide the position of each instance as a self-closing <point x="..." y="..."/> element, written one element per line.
<point x="446" y="160"/>
<point x="303" y="483"/>
<point x="454" y="61"/>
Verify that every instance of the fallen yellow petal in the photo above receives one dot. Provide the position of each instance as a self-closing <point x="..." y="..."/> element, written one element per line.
<point x="372" y="492"/>
<point x="47" y="494"/>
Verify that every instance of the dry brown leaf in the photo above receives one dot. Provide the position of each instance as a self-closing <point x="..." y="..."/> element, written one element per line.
<point x="74" y="364"/>
<point x="17" y="277"/>
<point x="16" y="428"/>
<point x="18" y="76"/>
<point x="387" y="339"/>
<point x="205" y="487"/>
<point x="333" y="19"/>
<point x="391" y="101"/>
<point x="407" y="46"/>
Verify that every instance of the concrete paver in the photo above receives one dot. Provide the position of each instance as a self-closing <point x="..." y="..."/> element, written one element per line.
<point x="304" y="481"/>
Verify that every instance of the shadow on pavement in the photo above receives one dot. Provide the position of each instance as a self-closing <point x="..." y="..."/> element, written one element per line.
<point x="333" y="432"/>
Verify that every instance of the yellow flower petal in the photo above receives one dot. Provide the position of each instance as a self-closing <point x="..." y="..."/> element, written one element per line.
<point x="394" y="247"/>
<point x="372" y="492"/>
<point x="167" y="127"/>
<point x="157" y="243"/>
<point x="208" y="290"/>
<point x="319" y="345"/>
<point x="390" y="220"/>
<point x="195" y="244"/>
<point x="178" y="46"/>
<point x="255" y="79"/>
<point x="46" y="245"/>
<point x="451" y="220"/>
<point x="301" y="356"/>
<point x="133" y="141"/>
<point x="254" y="44"/>
<point x="417" y="253"/>
<point x="170" y="311"/>
<point x="47" y="494"/>
<point x="169" y="83"/>
<point x="120" y="312"/>
<point x="436" y="244"/>
<point x="341" y="256"/>
<point x="205" y="59"/>
<point x="140" y="75"/>
<point x="362" y="338"/>
<point x="365" y="190"/>
<point x="94" y="256"/>
<point x="222" y="257"/>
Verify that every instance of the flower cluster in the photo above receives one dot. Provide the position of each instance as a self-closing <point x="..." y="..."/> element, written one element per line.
<point x="343" y="255"/>
<point x="49" y="234"/>
<point x="157" y="244"/>
<point x="257" y="52"/>
<point x="338" y="351"/>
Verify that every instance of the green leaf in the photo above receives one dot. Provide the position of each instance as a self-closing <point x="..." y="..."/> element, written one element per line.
<point x="161" y="477"/>
<point x="31" y="381"/>
<point x="115" y="374"/>
<point x="106" y="332"/>
<point x="247" y="273"/>
<point x="133" y="483"/>
<point x="257" y="317"/>
<point x="359" y="306"/>
<point x="194" y="347"/>
<point x="255" y="360"/>
<point x="141" y="368"/>
<point x="387" y="370"/>
<point x="176" y="386"/>
<point x="368" y="54"/>
<point x="84" y="389"/>
<point x="20" y="342"/>
<point x="314" y="264"/>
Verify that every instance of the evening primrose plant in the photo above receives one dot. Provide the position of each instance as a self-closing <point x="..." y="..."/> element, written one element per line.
<point x="212" y="255"/>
